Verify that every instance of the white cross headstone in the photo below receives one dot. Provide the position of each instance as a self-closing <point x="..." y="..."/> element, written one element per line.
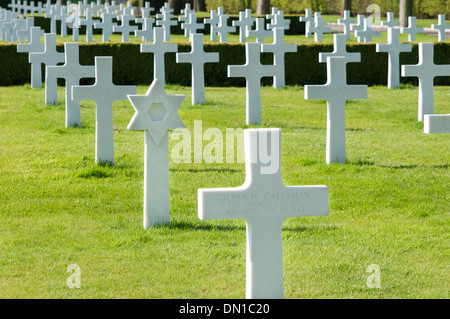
<point x="394" y="48"/>
<point x="271" y="15"/>
<point x="145" y="12"/>
<point x="367" y="33"/>
<point x="436" y="123"/>
<point x="104" y="92"/>
<point x="319" y="28"/>
<point x="72" y="72"/>
<point x="253" y="71"/>
<point x="89" y="22"/>
<point x="390" y="22"/>
<point x="165" y="21"/>
<point x="51" y="15"/>
<point x="336" y="92"/>
<point x="412" y="30"/>
<point x="360" y="18"/>
<point x="146" y="33"/>
<point x="106" y="25"/>
<point x="279" y="21"/>
<point x="260" y="31"/>
<point x="426" y="71"/>
<point x="191" y="26"/>
<point x="125" y="28"/>
<point x="62" y="16"/>
<point x="264" y="202"/>
<point x="197" y="58"/>
<point x="20" y="24"/>
<point x="340" y="49"/>
<point x="159" y="48"/>
<point x="25" y="34"/>
<point x="308" y="19"/>
<point x="222" y="29"/>
<point x="347" y="21"/>
<point x="441" y="27"/>
<point x="34" y="46"/>
<point x="244" y="24"/>
<point x="279" y="48"/>
<point x="213" y="21"/>
<point x="73" y="21"/>
<point x="48" y="57"/>
<point x="156" y="113"/>
<point x="186" y="12"/>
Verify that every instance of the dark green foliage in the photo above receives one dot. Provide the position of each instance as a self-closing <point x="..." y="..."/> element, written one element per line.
<point x="133" y="67"/>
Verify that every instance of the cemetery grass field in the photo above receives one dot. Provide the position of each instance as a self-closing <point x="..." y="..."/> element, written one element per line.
<point x="389" y="204"/>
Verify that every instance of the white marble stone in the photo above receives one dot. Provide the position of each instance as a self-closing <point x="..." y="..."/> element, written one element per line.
<point x="213" y="21"/>
<point x="145" y="12"/>
<point x="125" y="28"/>
<point x="278" y="21"/>
<point x="34" y="46"/>
<point x="253" y="71"/>
<point x="159" y="48"/>
<point x="48" y="57"/>
<point x="436" y="123"/>
<point x="146" y="32"/>
<point x="336" y="92"/>
<point x="279" y="48"/>
<point x="245" y="23"/>
<point x="367" y="33"/>
<point x="222" y="29"/>
<point x="264" y="202"/>
<point x="412" y="30"/>
<point x="25" y="33"/>
<point x="61" y="17"/>
<point x="191" y="26"/>
<point x="426" y="71"/>
<point x="156" y="113"/>
<point x="260" y="32"/>
<point x="72" y="72"/>
<point x="390" y="21"/>
<point x="441" y="27"/>
<point x="165" y="20"/>
<point x="346" y="21"/>
<point x="360" y="18"/>
<point x="106" y="25"/>
<point x="89" y="23"/>
<point x="393" y="48"/>
<point x="308" y="19"/>
<point x="197" y="58"/>
<point x="340" y="49"/>
<point x="104" y="92"/>
<point x="54" y="11"/>
<point x="319" y="28"/>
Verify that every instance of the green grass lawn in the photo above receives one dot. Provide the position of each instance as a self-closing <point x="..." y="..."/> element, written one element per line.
<point x="389" y="204"/>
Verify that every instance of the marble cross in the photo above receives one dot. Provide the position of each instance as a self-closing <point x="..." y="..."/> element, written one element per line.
<point x="197" y="58"/>
<point x="264" y="202"/>
<point x="260" y="31"/>
<point x="125" y="28"/>
<point x="390" y="22"/>
<point x="360" y="18"/>
<point x="393" y="48"/>
<point x="89" y="22"/>
<point x="319" y="28"/>
<point x="222" y="29"/>
<point x="62" y="16"/>
<point x="159" y="48"/>
<point x="72" y="72"/>
<point x="253" y="71"/>
<point x="279" y="48"/>
<point x="367" y="33"/>
<point x="186" y="12"/>
<point x="426" y="71"/>
<point x="412" y="30"/>
<point x="271" y="16"/>
<point x="340" y="49"/>
<point x="165" y="21"/>
<point x="213" y="21"/>
<point x="441" y="27"/>
<point x="279" y="21"/>
<point x="51" y="15"/>
<point x="74" y="22"/>
<point x="191" y="26"/>
<point x="106" y="25"/>
<point x="347" y="21"/>
<point x="34" y="46"/>
<point x="48" y="57"/>
<point x="104" y="92"/>
<point x="244" y="24"/>
<point x="146" y="33"/>
<point x="308" y="19"/>
<point x="336" y="92"/>
<point x="24" y="34"/>
<point x="145" y="12"/>
<point x="156" y="113"/>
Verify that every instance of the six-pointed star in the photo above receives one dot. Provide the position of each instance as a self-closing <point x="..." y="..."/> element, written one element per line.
<point x="156" y="111"/>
